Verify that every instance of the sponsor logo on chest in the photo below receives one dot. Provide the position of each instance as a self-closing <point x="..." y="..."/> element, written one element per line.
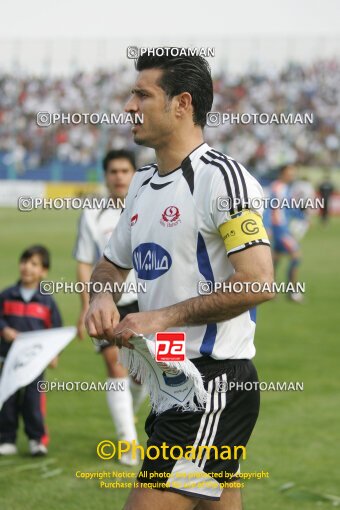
<point x="151" y="261"/>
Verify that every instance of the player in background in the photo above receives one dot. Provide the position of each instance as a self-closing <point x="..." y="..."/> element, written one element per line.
<point x="302" y="192"/>
<point x="326" y="190"/>
<point x="175" y="236"/>
<point x="277" y="222"/>
<point x="24" y="308"/>
<point x="94" y="229"/>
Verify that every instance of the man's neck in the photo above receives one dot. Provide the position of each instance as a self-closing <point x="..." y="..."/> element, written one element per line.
<point x="170" y="156"/>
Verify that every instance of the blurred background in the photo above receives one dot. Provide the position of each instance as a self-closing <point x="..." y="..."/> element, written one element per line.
<point x="261" y="75"/>
<point x="282" y="58"/>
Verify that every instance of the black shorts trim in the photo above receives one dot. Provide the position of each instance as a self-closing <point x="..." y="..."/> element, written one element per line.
<point x="207" y="363"/>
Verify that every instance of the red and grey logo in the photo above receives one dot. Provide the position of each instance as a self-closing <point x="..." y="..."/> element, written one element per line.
<point x="170" y="216"/>
<point x="134" y="220"/>
<point x="170" y="346"/>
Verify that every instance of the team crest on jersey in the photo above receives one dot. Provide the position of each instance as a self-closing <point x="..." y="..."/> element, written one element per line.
<point x="134" y="219"/>
<point x="151" y="261"/>
<point x="170" y="217"/>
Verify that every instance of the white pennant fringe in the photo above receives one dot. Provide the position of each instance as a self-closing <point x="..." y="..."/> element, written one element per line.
<point x="140" y="368"/>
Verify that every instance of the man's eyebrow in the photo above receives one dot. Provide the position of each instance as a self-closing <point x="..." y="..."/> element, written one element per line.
<point x="137" y="89"/>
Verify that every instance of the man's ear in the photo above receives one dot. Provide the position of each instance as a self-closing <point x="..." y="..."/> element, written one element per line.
<point x="184" y="104"/>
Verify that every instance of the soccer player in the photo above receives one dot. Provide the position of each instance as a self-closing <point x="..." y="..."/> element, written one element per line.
<point x="279" y="218"/>
<point x="175" y="236"/>
<point x="326" y="190"/>
<point x="302" y="191"/>
<point x="24" y="308"/>
<point x="94" y="230"/>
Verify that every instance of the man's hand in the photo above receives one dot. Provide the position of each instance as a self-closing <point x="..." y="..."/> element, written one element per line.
<point x="102" y="322"/>
<point x="102" y="317"/>
<point x="145" y="323"/>
<point x="9" y="334"/>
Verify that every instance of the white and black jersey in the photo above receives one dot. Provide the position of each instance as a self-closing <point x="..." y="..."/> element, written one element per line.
<point x="169" y="233"/>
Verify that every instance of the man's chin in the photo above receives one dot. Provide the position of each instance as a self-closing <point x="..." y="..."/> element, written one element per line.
<point x="139" y="140"/>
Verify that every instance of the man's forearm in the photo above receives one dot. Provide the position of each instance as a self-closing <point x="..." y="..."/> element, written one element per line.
<point x="216" y="307"/>
<point x="110" y="276"/>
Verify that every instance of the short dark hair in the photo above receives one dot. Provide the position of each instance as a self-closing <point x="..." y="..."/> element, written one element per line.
<point x="189" y="73"/>
<point x="39" y="250"/>
<point x="117" y="154"/>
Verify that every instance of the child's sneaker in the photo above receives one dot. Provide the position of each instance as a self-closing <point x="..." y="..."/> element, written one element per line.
<point x="36" y="448"/>
<point x="8" y="449"/>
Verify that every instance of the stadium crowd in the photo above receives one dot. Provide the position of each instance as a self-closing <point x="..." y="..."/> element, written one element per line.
<point x="295" y="89"/>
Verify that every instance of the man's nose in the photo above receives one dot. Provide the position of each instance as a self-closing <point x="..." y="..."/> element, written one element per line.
<point x="131" y="106"/>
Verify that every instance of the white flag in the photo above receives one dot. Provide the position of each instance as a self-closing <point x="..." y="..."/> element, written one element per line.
<point x="29" y="355"/>
<point x="170" y="383"/>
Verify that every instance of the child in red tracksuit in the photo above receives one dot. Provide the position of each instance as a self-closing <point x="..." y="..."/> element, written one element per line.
<point x="24" y="308"/>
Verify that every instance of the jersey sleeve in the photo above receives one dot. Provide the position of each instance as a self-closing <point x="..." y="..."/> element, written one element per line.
<point x="56" y="320"/>
<point x="237" y="208"/>
<point x="118" y="248"/>
<point x="85" y="248"/>
<point x="3" y="322"/>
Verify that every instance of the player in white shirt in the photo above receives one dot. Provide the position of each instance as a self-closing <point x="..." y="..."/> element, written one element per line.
<point x="94" y="230"/>
<point x="175" y="236"/>
<point x="303" y="192"/>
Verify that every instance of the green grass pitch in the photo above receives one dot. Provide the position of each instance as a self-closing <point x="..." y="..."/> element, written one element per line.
<point x="296" y="438"/>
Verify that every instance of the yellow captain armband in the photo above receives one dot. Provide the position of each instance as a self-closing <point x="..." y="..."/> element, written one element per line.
<point x="243" y="231"/>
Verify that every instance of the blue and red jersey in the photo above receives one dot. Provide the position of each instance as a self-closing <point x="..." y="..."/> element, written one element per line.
<point x="40" y="312"/>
